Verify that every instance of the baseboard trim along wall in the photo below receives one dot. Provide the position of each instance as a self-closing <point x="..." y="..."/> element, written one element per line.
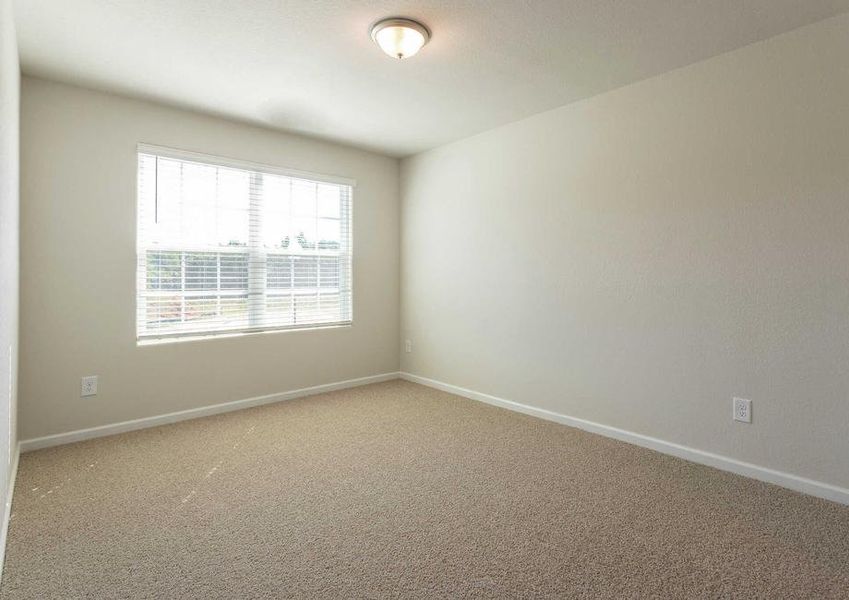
<point x="193" y="413"/>
<point x="7" y="511"/>
<point x="724" y="463"/>
<point x="787" y="480"/>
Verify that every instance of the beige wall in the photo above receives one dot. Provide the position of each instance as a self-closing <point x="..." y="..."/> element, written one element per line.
<point x="639" y="258"/>
<point x="10" y="76"/>
<point x="78" y="258"/>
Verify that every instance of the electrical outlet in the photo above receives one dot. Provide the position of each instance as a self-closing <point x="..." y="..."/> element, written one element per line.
<point x="742" y="410"/>
<point x="88" y="386"/>
<point x="408" y="346"/>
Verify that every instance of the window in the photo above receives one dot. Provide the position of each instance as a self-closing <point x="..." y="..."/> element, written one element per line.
<point x="229" y="247"/>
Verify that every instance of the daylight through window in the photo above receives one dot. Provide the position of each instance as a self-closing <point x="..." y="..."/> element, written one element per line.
<point x="223" y="248"/>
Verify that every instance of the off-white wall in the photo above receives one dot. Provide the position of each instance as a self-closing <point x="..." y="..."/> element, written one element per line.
<point x="78" y="231"/>
<point x="10" y="77"/>
<point x="639" y="258"/>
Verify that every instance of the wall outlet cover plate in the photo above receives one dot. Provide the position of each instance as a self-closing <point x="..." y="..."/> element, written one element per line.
<point x="742" y="410"/>
<point x="88" y="386"/>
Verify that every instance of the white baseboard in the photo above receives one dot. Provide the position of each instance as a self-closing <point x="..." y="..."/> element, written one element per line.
<point x="7" y="511"/>
<point x="724" y="463"/>
<point x="193" y="413"/>
<point x="787" y="480"/>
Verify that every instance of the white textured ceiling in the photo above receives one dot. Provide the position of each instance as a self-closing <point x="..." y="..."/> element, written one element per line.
<point x="309" y="66"/>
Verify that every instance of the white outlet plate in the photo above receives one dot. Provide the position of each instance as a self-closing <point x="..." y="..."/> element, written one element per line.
<point x="88" y="386"/>
<point x="742" y="410"/>
<point x="408" y="346"/>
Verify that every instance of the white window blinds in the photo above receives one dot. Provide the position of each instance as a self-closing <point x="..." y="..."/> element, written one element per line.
<point x="226" y="247"/>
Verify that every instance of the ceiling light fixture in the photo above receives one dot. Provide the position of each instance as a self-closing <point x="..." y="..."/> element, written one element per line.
<point x="400" y="37"/>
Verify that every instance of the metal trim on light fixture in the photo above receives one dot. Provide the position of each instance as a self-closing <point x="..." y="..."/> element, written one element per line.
<point x="404" y="23"/>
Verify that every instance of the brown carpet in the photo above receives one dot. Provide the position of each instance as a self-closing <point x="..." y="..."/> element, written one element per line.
<point x="395" y="490"/>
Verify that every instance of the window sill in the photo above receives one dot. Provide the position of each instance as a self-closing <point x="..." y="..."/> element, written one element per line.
<point x="203" y="337"/>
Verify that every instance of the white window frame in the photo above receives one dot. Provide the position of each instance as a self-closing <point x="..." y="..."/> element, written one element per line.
<point x="144" y="336"/>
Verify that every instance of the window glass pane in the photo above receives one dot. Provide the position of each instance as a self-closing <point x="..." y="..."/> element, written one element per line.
<point x="328" y="234"/>
<point x="306" y="307"/>
<point x="197" y="195"/>
<point x="328" y="200"/>
<point x="276" y="191"/>
<point x="279" y="272"/>
<point x="234" y="309"/>
<point x="329" y="305"/>
<point x="303" y="198"/>
<point x="232" y="189"/>
<point x="234" y="271"/>
<point x="306" y="271"/>
<point x="164" y="270"/>
<point x="276" y="206"/>
<point x="201" y="271"/>
<point x="164" y="310"/>
<point x="167" y="201"/>
<point x="329" y="271"/>
<point x="305" y="233"/>
<point x="277" y="235"/>
<point x="200" y="308"/>
<point x="280" y="308"/>
<point x="224" y="248"/>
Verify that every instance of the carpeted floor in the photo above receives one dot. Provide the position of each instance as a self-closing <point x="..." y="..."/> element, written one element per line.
<point x="396" y="490"/>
